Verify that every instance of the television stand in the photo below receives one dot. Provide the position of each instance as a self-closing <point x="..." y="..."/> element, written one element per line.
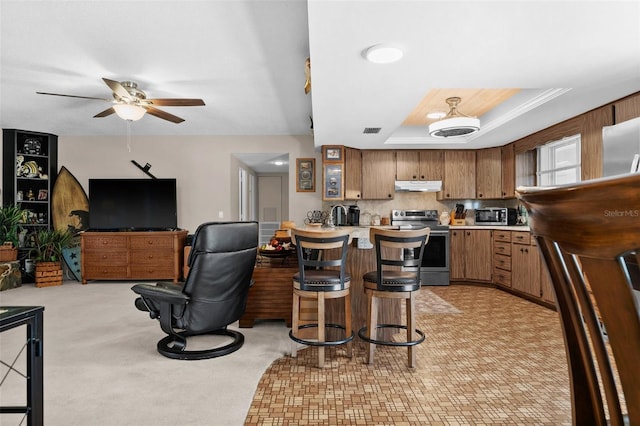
<point x="132" y="255"/>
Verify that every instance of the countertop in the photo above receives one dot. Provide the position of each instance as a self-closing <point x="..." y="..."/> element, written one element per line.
<point x="524" y="228"/>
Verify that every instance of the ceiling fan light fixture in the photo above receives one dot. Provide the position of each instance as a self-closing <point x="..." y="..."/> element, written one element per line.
<point x="383" y="53"/>
<point x="129" y="112"/>
<point x="454" y="124"/>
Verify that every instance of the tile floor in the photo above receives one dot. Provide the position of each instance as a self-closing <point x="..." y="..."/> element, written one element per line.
<point x="490" y="358"/>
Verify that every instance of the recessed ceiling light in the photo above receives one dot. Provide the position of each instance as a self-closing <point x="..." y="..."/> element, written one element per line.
<point x="383" y="53"/>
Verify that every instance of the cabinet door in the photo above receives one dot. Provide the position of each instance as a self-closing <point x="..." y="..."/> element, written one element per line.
<point x="378" y="174"/>
<point x="525" y="269"/>
<point x="478" y="254"/>
<point x="352" y="174"/>
<point x="431" y="164"/>
<point x="459" y="175"/>
<point x="508" y="171"/>
<point x="407" y="165"/>
<point x="546" y="287"/>
<point x="457" y="255"/>
<point x="489" y="173"/>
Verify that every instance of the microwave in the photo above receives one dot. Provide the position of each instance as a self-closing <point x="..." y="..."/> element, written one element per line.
<point x="496" y="216"/>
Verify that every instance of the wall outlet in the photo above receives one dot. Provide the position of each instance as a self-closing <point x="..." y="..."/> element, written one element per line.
<point x="221" y="214"/>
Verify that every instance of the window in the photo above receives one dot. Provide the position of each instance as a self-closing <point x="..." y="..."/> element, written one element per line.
<point x="559" y="162"/>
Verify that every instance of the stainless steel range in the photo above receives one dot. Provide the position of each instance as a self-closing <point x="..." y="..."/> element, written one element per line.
<point x="435" y="260"/>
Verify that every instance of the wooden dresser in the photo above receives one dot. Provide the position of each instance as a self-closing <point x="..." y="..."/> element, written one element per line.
<point x="132" y="255"/>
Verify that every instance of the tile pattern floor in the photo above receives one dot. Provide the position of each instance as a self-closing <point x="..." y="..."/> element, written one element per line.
<point x="490" y="358"/>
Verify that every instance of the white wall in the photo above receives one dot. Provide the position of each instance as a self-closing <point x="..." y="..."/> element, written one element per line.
<point x="202" y="166"/>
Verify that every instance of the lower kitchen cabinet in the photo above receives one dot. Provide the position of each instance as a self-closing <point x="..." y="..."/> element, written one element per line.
<point x="546" y="287"/>
<point x="471" y="253"/>
<point x="525" y="264"/>
<point x="502" y="258"/>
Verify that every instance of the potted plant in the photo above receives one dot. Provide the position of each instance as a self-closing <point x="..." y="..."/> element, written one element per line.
<point x="10" y="219"/>
<point x="47" y="254"/>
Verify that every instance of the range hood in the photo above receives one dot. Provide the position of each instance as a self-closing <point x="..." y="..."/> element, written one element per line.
<point x="418" y="185"/>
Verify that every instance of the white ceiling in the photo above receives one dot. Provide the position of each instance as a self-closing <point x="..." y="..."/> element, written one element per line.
<point x="245" y="59"/>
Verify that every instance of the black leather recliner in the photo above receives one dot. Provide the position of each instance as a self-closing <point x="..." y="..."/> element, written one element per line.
<point x="214" y="294"/>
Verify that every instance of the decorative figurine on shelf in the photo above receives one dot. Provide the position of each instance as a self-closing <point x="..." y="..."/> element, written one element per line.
<point x="30" y="195"/>
<point x="32" y="146"/>
<point x="29" y="169"/>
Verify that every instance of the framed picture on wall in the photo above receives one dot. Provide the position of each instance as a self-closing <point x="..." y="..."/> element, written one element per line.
<point x="305" y="175"/>
<point x="333" y="182"/>
<point x="333" y="154"/>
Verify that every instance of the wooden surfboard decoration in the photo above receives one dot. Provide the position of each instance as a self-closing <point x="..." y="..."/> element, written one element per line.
<point x="70" y="211"/>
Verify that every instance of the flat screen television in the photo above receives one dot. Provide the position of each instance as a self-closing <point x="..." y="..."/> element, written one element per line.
<point x="132" y="204"/>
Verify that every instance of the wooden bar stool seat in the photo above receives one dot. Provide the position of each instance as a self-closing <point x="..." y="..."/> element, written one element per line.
<point x="322" y="275"/>
<point x="394" y="278"/>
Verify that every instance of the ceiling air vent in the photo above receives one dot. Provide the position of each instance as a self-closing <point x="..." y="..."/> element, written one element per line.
<point x="374" y="130"/>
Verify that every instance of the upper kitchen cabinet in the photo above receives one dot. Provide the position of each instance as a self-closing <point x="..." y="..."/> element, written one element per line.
<point x="508" y="171"/>
<point x="489" y="173"/>
<point x="419" y="164"/>
<point x="459" y="177"/>
<point x="352" y="174"/>
<point x="407" y="165"/>
<point x="379" y="174"/>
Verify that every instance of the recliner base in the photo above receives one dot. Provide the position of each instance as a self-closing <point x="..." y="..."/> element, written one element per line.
<point x="179" y="341"/>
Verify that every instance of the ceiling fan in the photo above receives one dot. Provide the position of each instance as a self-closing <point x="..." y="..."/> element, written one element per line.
<point x="131" y="103"/>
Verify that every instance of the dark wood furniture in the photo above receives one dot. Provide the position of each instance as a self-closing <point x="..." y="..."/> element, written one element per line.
<point x="32" y="317"/>
<point x="270" y="296"/>
<point x="132" y="255"/>
<point x="589" y="236"/>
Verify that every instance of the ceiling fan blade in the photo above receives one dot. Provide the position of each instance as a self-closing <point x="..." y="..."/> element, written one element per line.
<point x="162" y="114"/>
<point x="105" y="113"/>
<point x="118" y="89"/>
<point x="175" y="102"/>
<point x="74" y="96"/>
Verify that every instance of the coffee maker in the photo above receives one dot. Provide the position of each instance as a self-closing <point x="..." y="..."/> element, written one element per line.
<point x="353" y="215"/>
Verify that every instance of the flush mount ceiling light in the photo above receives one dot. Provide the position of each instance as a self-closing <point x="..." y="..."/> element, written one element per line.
<point x="455" y="123"/>
<point x="129" y="112"/>
<point x="383" y="53"/>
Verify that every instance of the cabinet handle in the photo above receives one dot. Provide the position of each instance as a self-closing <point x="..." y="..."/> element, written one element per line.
<point x="526" y="250"/>
<point x="479" y="195"/>
<point x="422" y="177"/>
<point x="414" y="177"/>
<point x="389" y="195"/>
<point x="468" y="233"/>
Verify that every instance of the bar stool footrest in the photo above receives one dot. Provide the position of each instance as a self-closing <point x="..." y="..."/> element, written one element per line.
<point x="326" y="343"/>
<point x="361" y="334"/>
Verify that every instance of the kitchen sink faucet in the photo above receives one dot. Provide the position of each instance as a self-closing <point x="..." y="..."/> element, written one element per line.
<point x="330" y="220"/>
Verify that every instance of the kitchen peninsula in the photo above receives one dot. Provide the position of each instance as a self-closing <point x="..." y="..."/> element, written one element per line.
<point x="271" y="295"/>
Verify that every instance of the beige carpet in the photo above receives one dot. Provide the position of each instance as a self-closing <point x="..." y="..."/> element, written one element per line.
<point x="101" y="366"/>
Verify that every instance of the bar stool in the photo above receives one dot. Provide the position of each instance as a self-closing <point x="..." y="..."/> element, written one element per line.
<point x="396" y="277"/>
<point x="322" y="275"/>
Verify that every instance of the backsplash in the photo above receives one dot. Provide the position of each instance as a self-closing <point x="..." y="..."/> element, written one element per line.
<point x="419" y="200"/>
